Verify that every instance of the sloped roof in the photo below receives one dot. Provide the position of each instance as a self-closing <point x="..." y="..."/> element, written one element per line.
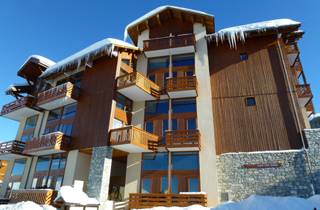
<point x="142" y="23"/>
<point x="106" y="46"/>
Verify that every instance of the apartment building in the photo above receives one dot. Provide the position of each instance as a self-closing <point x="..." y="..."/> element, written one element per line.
<point x="158" y="117"/>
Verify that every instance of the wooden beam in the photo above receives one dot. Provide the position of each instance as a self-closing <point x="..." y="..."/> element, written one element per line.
<point x="158" y="19"/>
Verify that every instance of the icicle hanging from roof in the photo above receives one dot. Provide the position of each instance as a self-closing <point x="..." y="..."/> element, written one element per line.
<point x="239" y="33"/>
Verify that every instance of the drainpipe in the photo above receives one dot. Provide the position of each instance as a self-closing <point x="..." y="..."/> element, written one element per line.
<point x="296" y="114"/>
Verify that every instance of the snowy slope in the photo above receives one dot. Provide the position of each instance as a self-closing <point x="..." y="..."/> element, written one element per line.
<point x="239" y="33"/>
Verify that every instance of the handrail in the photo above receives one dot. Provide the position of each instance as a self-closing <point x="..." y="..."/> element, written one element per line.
<point x="303" y="90"/>
<point x="12" y="147"/>
<point x="169" y="42"/>
<point x="65" y="89"/>
<point x="181" y="83"/>
<point x="17" y="104"/>
<point x="183" y="138"/>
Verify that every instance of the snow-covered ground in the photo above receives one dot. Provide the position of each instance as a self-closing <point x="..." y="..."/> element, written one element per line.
<point x="28" y="205"/>
<point x="256" y="202"/>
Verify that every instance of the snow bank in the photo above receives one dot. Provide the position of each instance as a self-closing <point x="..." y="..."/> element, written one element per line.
<point x="105" y="46"/>
<point x="28" y="205"/>
<point x="156" y="11"/>
<point x="71" y="195"/>
<point x="256" y="202"/>
<point x="239" y="33"/>
<point x="194" y="207"/>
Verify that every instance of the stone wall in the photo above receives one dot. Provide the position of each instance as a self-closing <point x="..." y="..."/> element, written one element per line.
<point x="277" y="173"/>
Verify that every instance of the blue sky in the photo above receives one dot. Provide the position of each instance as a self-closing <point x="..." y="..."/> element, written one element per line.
<point x="58" y="28"/>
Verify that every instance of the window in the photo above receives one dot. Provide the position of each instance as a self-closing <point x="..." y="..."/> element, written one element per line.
<point x="117" y="123"/>
<point x="157" y="63"/>
<point x="146" y="185"/>
<point x="54" y="115"/>
<point x="66" y="129"/>
<point x="26" y="137"/>
<point x="43" y="163"/>
<point x="164" y="184"/>
<point x="191" y="124"/>
<point x="157" y="107"/>
<point x="183" y="60"/>
<point x="244" y="56"/>
<point x="184" y="105"/>
<point x="31" y="122"/>
<point x="185" y="161"/>
<point x="194" y="185"/>
<point x="152" y="77"/>
<point x="157" y="161"/>
<point x="18" y="167"/>
<point x="58" y="182"/>
<point x="69" y="111"/>
<point x="123" y="102"/>
<point x="149" y="127"/>
<point x="250" y="101"/>
<point x="174" y="124"/>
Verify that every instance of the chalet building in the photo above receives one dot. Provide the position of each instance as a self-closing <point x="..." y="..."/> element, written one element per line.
<point x="172" y="118"/>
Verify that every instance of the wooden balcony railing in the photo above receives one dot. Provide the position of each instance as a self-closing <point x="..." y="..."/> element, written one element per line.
<point x="12" y="147"/>
<point x="134" y="135"/>
<point x="138" y="79"/>
<point x="304" y="91"/>
<point x="27" y="101"/>
<point x="53" y="141"/>
<point x="64" y="90"/>
<point x="310" y="107"/>
<point x="183" y="138"/>
<point x="292" y="49"/>
<point x="123" y="116"/>
<point x="297" y="66"/>
<point x="181" y="83"/>
<point x="143" y="200"/>
<point x="44" y="196"/>
<point x="169" y="42"/>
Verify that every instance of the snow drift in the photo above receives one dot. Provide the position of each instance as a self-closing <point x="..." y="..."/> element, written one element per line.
<point x="28" y="205"/>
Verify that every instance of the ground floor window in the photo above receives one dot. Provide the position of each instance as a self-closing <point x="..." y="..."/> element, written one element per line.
<point x="49" y="171"/>
<point x="16" y="175"/>
<point x="172" y="172"/>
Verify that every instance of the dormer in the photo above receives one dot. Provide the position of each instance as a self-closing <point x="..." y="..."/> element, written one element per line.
<point x="168" y="27"/>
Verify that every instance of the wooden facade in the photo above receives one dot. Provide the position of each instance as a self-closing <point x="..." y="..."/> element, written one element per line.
<point x="271" y="123"/>
<point x="91" y="124"/>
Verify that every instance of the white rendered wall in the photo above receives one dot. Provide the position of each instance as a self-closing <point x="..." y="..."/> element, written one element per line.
<point x="133" y="174"/>
<point x="207" y="155"/>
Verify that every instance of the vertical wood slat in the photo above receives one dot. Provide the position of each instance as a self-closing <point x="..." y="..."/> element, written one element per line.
<point x="37" y="196"/>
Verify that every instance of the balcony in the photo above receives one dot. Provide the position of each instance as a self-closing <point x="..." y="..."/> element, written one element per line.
<point x="11" y="150"/>
<point x="304" y="94"/>
<point x="183" y="140"/>
<point x="58" y="96"/>
<point x="179" y="44"/>
<point x="149" y="200"/>
<point x="297" y="67"/>
<point x="123" y="116"/>
<point x="133" y="140"/>
<point x="47" y="144"/>
<point x="292" y="53"/>
<point x="182" y="87"/>
<point x="16" y="110"/>
<point x="310" y="108"/>
<point x="137" y="87"/>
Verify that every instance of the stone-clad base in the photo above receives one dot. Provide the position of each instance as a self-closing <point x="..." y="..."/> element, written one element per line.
<point x="279" y="173"/>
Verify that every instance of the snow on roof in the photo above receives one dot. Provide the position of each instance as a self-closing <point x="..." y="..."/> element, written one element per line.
<point x="239" y="33"/>
<point x="313" y="116"/>
<point x="156" y="11"/>
<point x="105" y="46"/>
<point x="39" y="59"/>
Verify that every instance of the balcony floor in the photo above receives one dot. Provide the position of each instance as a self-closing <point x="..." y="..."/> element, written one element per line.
<point x="130" y="148"/>
<point x="11" y="156"/>
<point x="18" y="114"/>
<point x="136" y="94"/>
<point x="182" y="94"/>
<point x="57" y="103"/>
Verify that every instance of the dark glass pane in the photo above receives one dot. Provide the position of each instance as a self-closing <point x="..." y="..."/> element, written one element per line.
<point x="174" y="74"/>
<point x="31" y="122"/>
<point x="164" y="184"/>
<point x="185" y="161"/>
<point x="18" y="167"/>
<point x="152" y="77"/>
<point x="175" y="185"/>
<point x="183" y="60"/>
<point x="165" y="127"/>
<point x="55" y="163"/>
<point x="43" y="163"/>
<point x="191" y="124"/>
<point x="157" y="107"/>
<point x="26" y="138"/>
<point x="66" y="129"/>
<point x="184" y="105"/>
<point x="149" y="127"/>
<point x="54" y="114"/>
<point x="194" y="185"/>
<point x="244" y="56"/>
<point x="58" y="182"/>
<point x="62" y="163"/>
<point x="189" y="73"/>
<point x="156" y="63"/>
<point x="146" y="185"/>
<point x="251" y="101"/>
<point x="174" y="124"/>
<point x="153" y="161"/>
<point x="69" y="111"/>
<point x="165" y="77"/>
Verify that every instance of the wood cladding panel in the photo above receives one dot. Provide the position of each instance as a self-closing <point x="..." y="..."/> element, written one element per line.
<point x="271" y="124"/>
<point x="93" y="111"/>
<point x="170" y="27"/>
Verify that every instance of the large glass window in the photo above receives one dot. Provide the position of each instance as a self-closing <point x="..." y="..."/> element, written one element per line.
<point x="157" y="107"/>
<point x="185" y="161"/>
<point x="31" y="122"/>
<point x="183" y="60"/>
<point x="184" y="105"/>
<point x="157" y="63"/>
<point x="43" y="163"/>
<point x="18" y="167"/>
<point x="69" y="111"/>
<point x="157" y="161"/>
